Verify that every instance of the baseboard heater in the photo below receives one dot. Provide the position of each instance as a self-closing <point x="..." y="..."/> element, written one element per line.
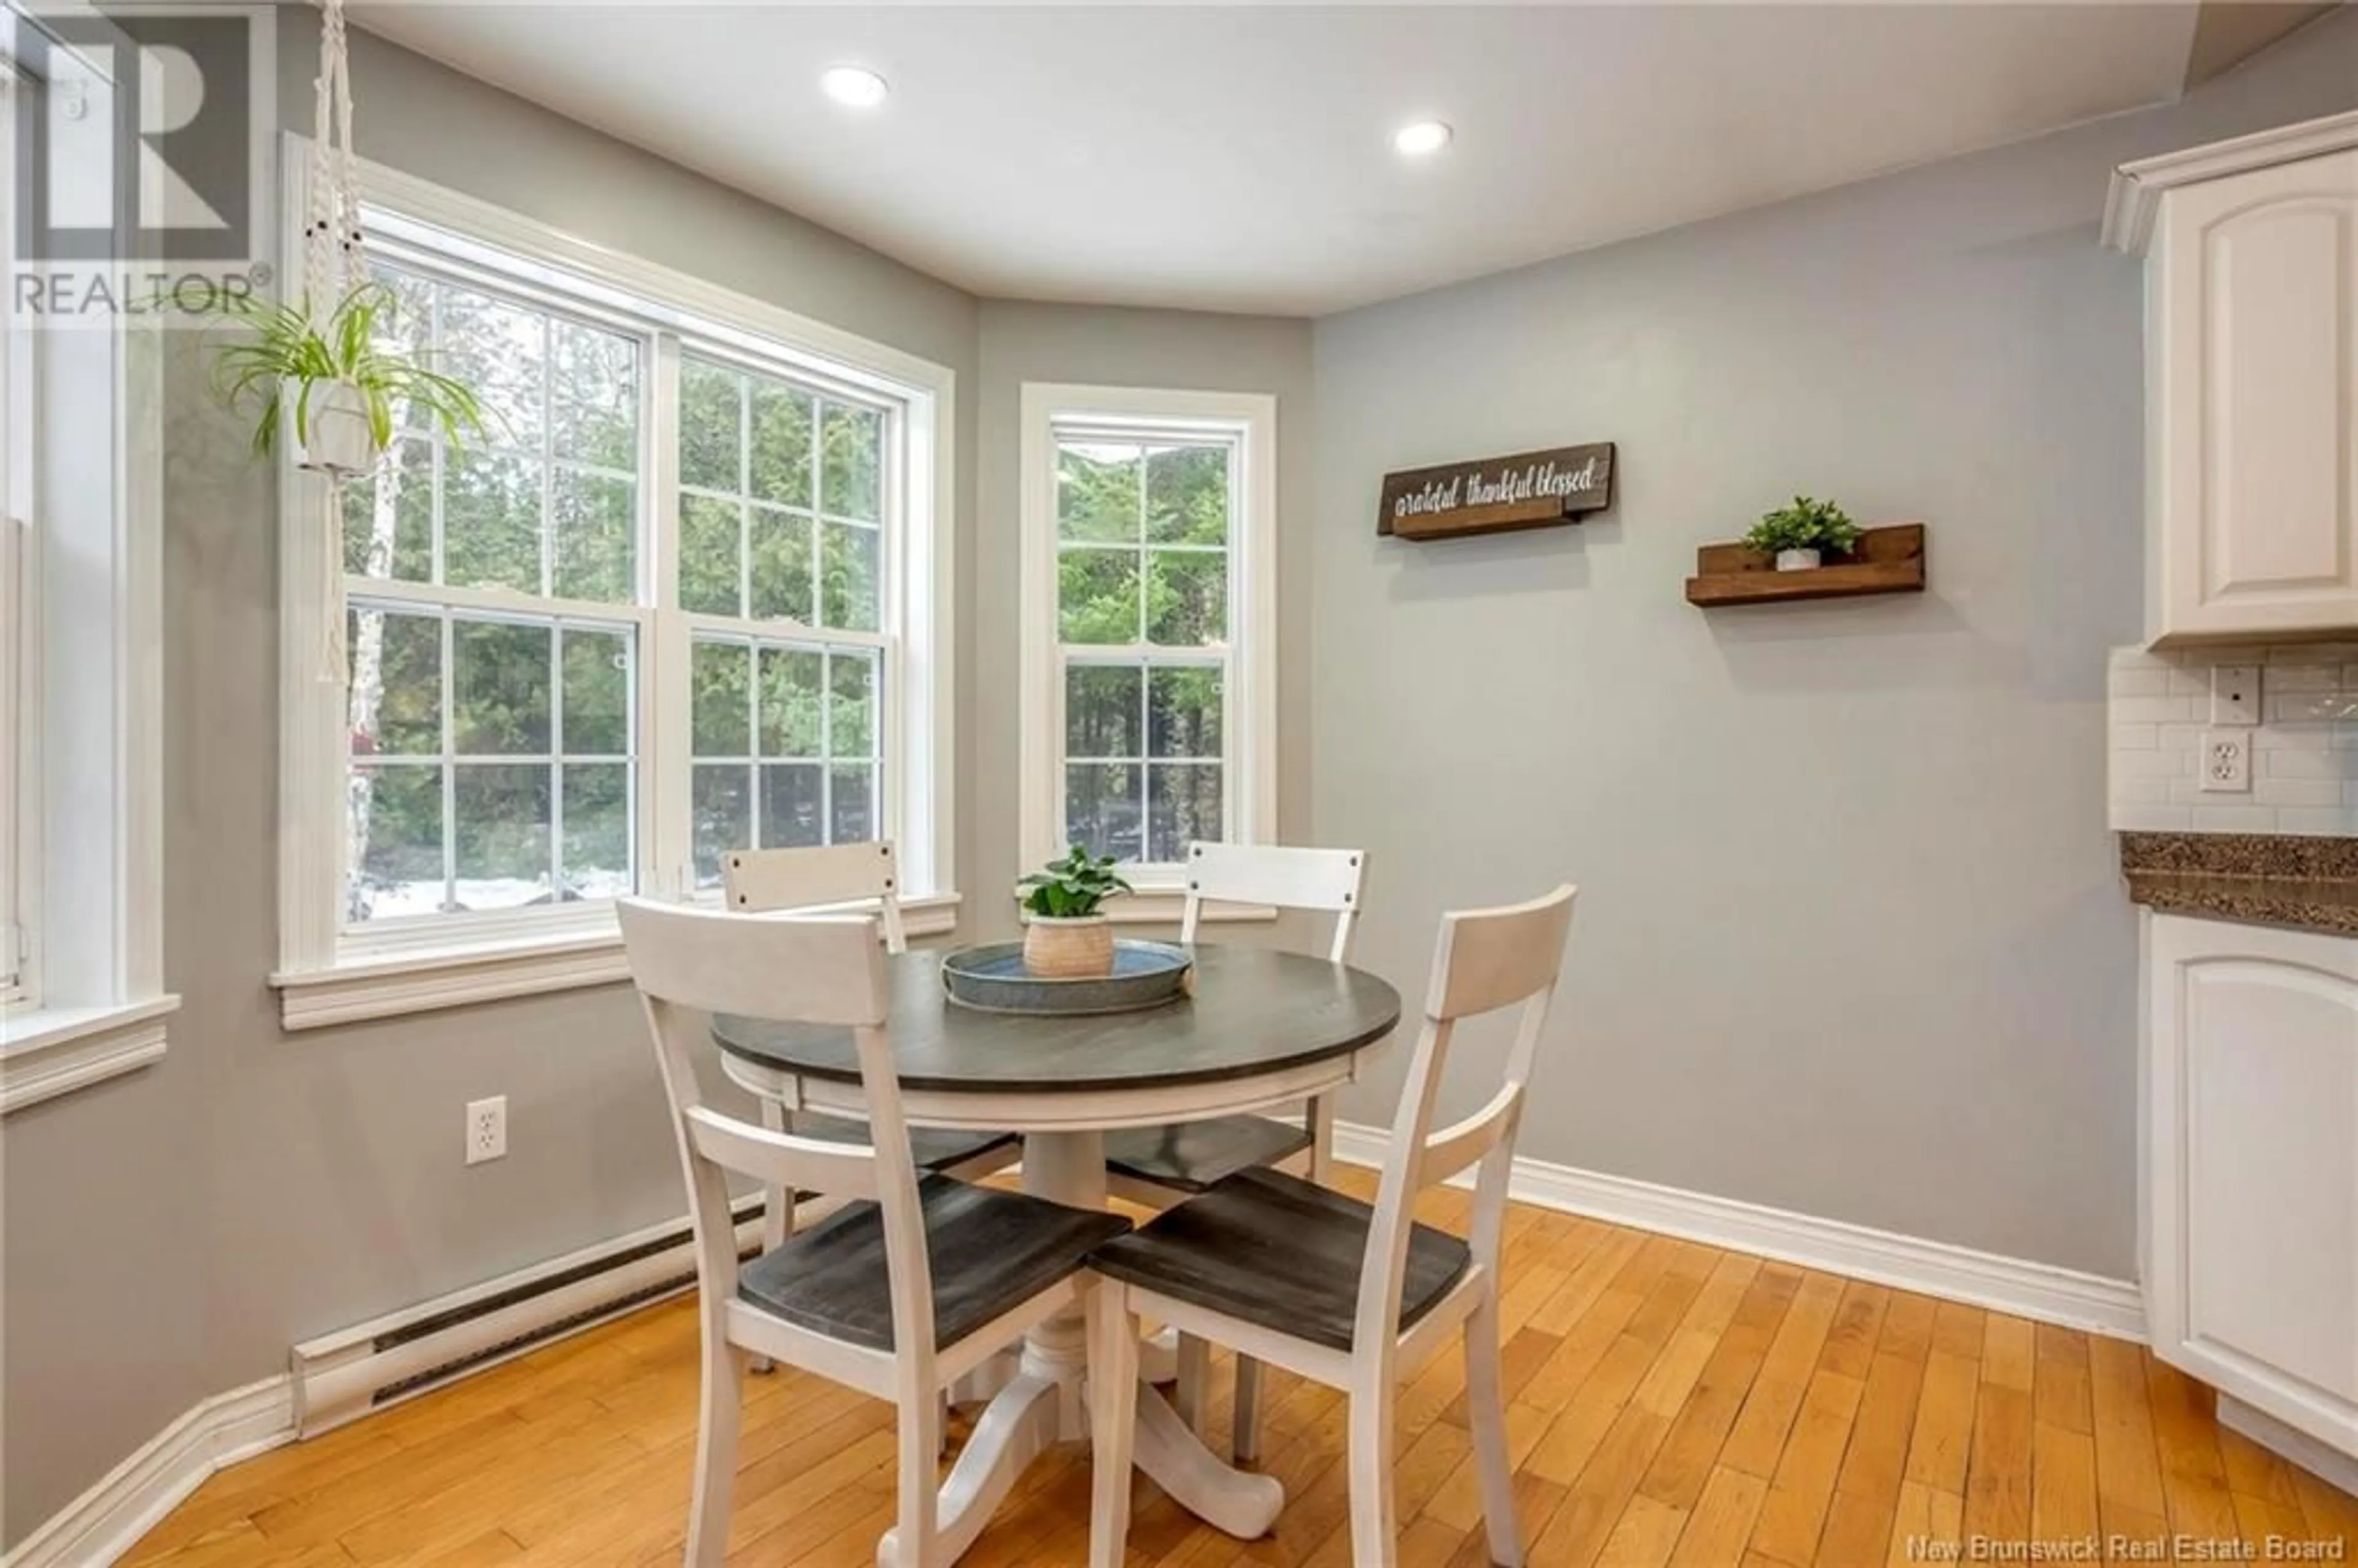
<point x="341" y="1376"/>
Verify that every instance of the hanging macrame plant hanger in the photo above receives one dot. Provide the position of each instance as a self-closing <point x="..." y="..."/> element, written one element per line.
<point x="328" y="425"/>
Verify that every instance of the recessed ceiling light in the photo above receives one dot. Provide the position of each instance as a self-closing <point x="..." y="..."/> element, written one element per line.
<point x="1424" y="136"/>
<point x="855" y="85"/>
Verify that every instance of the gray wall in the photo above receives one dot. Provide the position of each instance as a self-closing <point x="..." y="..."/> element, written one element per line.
<point x="1093" y="346"/>
<point x="1851" y="938"/>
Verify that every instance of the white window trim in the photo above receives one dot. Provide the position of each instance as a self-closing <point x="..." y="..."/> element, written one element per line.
<point x="20" y="631"/>
<point x="324" y="977"/>
<point x="1252" y="418"/>
<point x="90" y="795"/>
<point x="58" y="1050"/>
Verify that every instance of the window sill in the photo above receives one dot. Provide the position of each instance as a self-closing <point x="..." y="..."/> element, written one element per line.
<point x="394" y="985"/>
<point x="1163" y="906"/>
<point x="54" y="1051"/>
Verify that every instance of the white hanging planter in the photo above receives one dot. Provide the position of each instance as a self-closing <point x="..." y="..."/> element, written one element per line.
<point x="1798" y="560"/>
<point x="332" y="435"/>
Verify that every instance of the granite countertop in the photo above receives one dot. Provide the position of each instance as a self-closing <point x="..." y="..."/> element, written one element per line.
<point x="2259" y="879"/>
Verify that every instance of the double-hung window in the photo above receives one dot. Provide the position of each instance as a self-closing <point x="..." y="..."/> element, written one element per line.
<point x="81" y="997"/>
<point x="497" y="618"/>
<point x="1147" y="707"/>
<point x="784" y="487"/>
<point x="684" y="593"/>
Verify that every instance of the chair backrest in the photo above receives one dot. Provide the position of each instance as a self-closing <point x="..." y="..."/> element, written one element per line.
<point x="1486" y="959"/>
<point x="761" y="881"/>
<point x="1276" y="874"/>
<point x="828" y="970"/>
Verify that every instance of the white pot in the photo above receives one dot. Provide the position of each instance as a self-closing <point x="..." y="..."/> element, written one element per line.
<point x="1797" y="560"/>
<point x="335" y="438"/>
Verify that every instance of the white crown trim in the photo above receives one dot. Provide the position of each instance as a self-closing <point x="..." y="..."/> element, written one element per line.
<point x="2134" y="199"/>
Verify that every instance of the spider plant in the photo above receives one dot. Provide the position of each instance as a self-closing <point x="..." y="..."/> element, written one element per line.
<point x="291" y="356"/>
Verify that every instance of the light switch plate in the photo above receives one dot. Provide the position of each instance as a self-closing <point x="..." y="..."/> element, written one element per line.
<point x="2234" y="694"/>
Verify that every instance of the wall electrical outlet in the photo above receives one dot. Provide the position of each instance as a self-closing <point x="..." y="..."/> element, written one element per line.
<point x="2226" y="762"/>
<point x="487" y="1129"/>
<point x="2234" y="694"/>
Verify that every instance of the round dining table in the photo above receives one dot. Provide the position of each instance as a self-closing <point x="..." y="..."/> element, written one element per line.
<point x="1261" y="1029"/>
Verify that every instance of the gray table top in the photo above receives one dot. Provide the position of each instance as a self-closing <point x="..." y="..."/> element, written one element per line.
<point x="1255" y="1011"/>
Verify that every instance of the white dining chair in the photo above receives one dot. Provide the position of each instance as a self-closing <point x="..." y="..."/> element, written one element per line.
<point x="1158" y="1166"/>
<point x="897" y="1295"/>
<point x="1357" y="1296"/>
<point x="781" y="881"/>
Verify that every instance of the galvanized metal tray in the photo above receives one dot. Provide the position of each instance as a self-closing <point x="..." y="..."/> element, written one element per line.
<point x="991" y="979"/>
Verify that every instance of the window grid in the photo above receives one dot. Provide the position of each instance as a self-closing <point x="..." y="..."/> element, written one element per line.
<point x="824" y="756"/>
<point x="1144" y="652"/>
<point x="544" y="454"/>
<point x="803" y="622"/>
<point x="656" y="496"/>
<point x="813" y="513"/>
<point x="448" y="759"/>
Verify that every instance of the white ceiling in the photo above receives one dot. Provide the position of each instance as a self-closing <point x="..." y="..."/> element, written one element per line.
<point x="1240" y="157"/>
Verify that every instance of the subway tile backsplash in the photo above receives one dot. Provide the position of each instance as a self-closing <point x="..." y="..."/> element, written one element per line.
<point x="2304" y="753"/>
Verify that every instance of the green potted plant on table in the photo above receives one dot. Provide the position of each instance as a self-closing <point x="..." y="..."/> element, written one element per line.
<point x="333" y="386"/>
<point x="1799" y="535"/>
<point x="1066" y="933"/>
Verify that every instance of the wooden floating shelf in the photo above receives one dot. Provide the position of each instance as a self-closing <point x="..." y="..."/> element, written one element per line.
<point x="1887" y="560"/>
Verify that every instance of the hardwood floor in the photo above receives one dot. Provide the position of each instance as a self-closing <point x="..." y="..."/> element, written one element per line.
<point x="1671" y="1403"/>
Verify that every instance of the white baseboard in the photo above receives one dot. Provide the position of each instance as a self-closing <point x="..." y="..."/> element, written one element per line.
<point x="107" y="1520"/>
<point x="2038" y="1291"/>
<point x="2321" y="1460"/>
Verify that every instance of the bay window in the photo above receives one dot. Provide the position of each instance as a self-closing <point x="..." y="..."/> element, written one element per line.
<point x="684" y="593"/>
<point x="1148" y="630"/>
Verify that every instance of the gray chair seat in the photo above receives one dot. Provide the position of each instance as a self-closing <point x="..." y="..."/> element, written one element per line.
<point x="989" y="1251"/>
<point x="933" y="1148"/>
<point x="1278" y="1251"/>
<point x="1192" y="1156"/>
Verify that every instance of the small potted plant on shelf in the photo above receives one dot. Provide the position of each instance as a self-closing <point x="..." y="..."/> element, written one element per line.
<point x="1800" y="536"/>
<point x="1067" y="935"/>
<point x="332" y="386"/>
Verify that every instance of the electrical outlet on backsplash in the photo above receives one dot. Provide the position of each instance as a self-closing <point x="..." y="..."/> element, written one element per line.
<point x="2303" y="755"/>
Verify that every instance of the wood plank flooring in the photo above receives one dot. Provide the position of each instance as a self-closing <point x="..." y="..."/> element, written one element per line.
<point x="1671" y="1404"/>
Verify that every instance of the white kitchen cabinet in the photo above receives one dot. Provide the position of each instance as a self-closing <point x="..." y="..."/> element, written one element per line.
<point x="2251" y="1171"/>
<point x="2251" y="253"/>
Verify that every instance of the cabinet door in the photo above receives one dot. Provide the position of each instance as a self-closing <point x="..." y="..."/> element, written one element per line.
<point x="2253" y="1155"/>
<point x="2256" y="333"/>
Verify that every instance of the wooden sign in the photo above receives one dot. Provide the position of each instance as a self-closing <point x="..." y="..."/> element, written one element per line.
<point x="1529" y="489"/>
